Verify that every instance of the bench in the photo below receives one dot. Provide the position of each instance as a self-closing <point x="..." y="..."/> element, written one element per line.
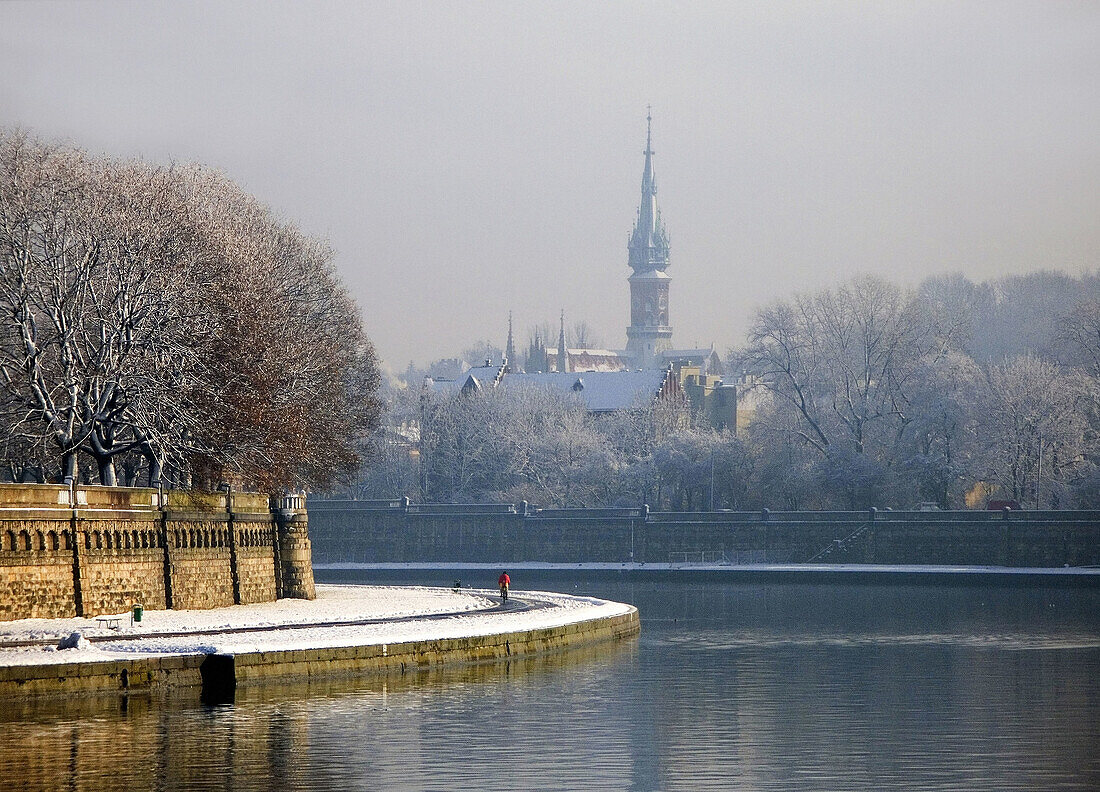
<point x="110" y="622"/>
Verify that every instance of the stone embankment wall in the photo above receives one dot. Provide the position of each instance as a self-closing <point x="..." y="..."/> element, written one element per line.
<point x="87" y="551"/>
<point x="219" y="675"/>
<point x="398" y="531"/>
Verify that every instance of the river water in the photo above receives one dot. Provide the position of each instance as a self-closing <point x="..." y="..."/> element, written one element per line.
<point x="749" y="686"/>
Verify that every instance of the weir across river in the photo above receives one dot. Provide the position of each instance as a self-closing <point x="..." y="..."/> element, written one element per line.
<point x="398" y="531"/>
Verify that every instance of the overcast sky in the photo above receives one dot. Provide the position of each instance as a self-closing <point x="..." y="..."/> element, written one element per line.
<point x="470" y="159"/>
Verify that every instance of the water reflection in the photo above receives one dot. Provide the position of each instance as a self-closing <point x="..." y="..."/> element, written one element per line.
<point x="751" y="687"/>
<point x="397" y="731"/>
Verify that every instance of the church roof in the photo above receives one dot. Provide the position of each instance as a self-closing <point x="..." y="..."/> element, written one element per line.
<point x="601" y="391"/>
<point x="596" y="360"/>
<point x="476" y="378"/>
<point x="677" y="354"/>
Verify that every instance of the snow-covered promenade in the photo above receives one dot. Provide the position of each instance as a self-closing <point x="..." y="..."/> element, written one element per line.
<point x="358" y="627"/>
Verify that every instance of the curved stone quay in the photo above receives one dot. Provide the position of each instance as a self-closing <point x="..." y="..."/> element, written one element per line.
<point x="346" y="631"/>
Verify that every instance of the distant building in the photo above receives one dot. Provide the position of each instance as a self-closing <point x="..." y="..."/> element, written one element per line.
<point x="649" y="336"/>
<point x="607" y="391"/>
<point x="604" y="360"/>
<point x="476" y="378"/>
<point x="710" y="399"/>
<point x="649" y="366"/>
<point x="726" y="406"/>
<point x="706" y="359"/>
<point x="600" y="391"/>
<point x="650" y="332"/>
<point x="541" y="360"/>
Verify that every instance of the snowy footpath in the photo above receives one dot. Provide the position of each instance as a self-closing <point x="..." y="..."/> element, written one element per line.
<point x="341" y="616"/>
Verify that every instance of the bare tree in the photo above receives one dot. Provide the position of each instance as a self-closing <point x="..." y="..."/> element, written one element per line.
<point x="292" y="395"/>
<point x="582" y="335"/>
<point x="165" y="313"/>
<point x="941" y="438"/>
<point x="91" y="259"/>
<point x="1034" y="428"/>
<point x="844" y="362"/>
<point x="1078" y="334"/>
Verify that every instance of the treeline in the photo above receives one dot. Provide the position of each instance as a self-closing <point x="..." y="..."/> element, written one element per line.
<point x="868" y="394"/>
<point x="522" y="443"/>
<point x="162" y="327"/>
<point x="953" y="393"/>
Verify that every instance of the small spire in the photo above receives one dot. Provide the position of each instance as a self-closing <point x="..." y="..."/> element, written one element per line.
<point x="649" y="186"/>
<point x="510" y="347"/>
<point x="562" y="356"/>
<point x="648" y="129"/>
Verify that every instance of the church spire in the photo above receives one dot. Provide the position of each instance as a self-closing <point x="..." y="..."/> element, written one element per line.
<point x="563" y="358"/>
<point x="649" y="243"/>
<point x="649" y="333"/>
<point x="510" y="347"/>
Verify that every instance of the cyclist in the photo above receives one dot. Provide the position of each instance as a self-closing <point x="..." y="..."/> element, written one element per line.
<point x="504" y="582"/>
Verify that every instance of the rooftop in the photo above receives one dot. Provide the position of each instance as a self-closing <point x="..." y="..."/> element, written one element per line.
<point x="601" y="391"/>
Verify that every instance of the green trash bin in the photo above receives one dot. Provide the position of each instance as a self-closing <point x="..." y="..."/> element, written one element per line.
<point x="138" y="613"/>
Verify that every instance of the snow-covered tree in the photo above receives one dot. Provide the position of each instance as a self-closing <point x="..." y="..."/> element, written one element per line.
<point x="163" y="314"/>
<point x="1033" y="425"/>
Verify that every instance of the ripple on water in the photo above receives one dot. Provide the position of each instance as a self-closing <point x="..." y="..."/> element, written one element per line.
<point x="710" y="640"/>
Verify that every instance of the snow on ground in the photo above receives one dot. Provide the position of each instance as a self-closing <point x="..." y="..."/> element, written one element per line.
<point x="333" y="603"/>
<point x="404" y="613"/>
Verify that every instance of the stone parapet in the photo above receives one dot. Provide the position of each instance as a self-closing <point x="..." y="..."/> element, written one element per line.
<point x="35" y="496"/>
<point x="86" y="551"/>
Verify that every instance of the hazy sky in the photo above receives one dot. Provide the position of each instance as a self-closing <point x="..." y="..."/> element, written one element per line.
<point x="470" y="159"/>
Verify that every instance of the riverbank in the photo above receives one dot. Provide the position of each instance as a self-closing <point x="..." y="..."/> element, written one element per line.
<point x="346" y="630"/>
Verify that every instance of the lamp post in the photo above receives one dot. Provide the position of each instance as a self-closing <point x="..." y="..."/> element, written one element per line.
<point x="1039" y="471"/>
<point x="712" y="478"/>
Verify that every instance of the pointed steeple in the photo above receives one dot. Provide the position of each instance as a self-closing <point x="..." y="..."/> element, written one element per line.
<point x="510" y="347"/>
<point x="536" y="356"/>
<point x="649" y="243"/>
<point x="649" y="333"/>
<point x="563" y="358"/>
<point x="647" y="212"/>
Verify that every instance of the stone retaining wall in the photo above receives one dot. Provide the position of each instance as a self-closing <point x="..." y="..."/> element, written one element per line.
<point x="38" y="585"/>
<point x="88" y="551"/>
<point x="350" y="660"/>
<point x="140" y="673"/>
<point x="255" y="561"/>
<point x="112" y="581"/>
<point x="227" y="671"/>
<point x="396" y="531"/>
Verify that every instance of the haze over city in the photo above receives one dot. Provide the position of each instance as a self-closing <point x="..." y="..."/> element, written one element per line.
<point x="470" y="160"/>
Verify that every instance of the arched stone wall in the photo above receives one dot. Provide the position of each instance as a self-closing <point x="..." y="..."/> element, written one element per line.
<point x="125" y="546"/>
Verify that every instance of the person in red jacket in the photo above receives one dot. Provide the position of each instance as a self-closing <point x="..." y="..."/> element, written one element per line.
<point x="504" y="582"/>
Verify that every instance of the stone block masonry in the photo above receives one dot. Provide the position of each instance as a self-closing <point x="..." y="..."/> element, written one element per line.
<point x="397" y="531"/>
<point x="36" y="569"/>
<point x="88" y="551"/>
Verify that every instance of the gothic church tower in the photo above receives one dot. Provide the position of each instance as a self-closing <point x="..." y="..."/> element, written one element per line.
<point x="649" y="333"/>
